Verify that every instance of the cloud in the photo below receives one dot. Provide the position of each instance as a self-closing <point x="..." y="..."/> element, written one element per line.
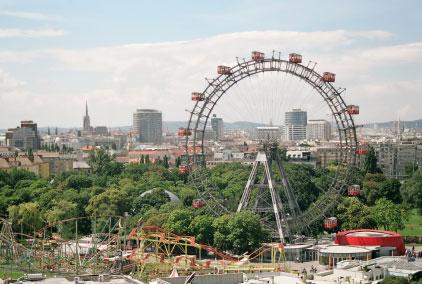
<point x="31" y="33"/>
<point x="28" y="15"/>
<point x="119" y="79"/>
<point x="8" y="83"/>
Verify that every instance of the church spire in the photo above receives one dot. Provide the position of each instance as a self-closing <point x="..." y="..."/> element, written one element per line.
<point x="86" y="125"/>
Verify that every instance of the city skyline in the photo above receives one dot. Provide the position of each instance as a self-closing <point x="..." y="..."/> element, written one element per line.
<point x="48" y="56"/>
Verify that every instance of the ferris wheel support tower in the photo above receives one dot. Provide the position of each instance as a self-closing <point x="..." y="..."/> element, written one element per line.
<point x="265" y="156"/>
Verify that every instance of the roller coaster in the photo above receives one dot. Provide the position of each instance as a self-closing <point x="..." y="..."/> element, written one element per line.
<point x="146" y="251"/>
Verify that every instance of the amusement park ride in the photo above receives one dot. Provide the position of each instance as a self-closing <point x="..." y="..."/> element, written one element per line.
<point x="153" y="251"/>
<point x="287" y="222"/>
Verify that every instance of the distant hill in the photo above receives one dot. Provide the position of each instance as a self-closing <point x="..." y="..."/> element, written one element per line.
<point x="172" y="126"/>
<point x="391" y="124"/>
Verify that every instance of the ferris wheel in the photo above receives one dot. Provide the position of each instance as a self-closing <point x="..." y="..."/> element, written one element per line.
<point x="259" y="89"/>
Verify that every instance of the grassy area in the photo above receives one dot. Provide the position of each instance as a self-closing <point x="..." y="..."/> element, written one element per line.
<point x="413" y="225"/>
<point x="13" y="275"/>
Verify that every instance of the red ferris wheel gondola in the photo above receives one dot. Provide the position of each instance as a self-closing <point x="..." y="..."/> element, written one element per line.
<point x="352" y="109"/>
<point x="353" y="190"/>
<point x="361" y="151"/>
<point x="184" y="132"/>
<point x="223" y="70"/>
<point x="198" y="96"/>
<point x="183" y="169"/>
<point x="257" y="56"/>
<point x="198" y="203"/>
<point x="330" y="223"/>
<point x="328" y="77"/>
<point x="295" y="58"/>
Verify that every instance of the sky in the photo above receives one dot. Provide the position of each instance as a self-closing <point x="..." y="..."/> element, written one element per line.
<point x="129" y="54"/>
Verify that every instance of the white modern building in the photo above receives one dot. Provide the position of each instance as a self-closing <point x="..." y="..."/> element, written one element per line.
<point x="148" y="126"/>
<point x="217" y="126"/>
<point x="318" y="129"/>
<point x="295" y="122"/>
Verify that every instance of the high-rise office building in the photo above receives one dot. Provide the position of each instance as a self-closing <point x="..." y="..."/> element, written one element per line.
<point x="217" y="126"/>
<point x="295" y="124"/>
<point x="87" y="123"/>
<point x="24" y="137"/>
<point x="318" y="129"/>
<point x="148" y="126"/>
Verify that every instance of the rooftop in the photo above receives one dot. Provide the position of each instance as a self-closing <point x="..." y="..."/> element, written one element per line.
<point x="369" y="234"/>
<point x="345" y="249"/>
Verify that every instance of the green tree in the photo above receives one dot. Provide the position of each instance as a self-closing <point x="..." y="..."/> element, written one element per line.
<point x="239" y="232"/>
<point x="99" y="160"/>
<point x="221" y="232"/>
<point x="178" y="222"/>
<point x="390" y="189"/>
<point x="166" y="161"/>
<point x="30" y="154"/>
<point x="394" y="280"/>
<point x="301" y="180"/>
<point x="63" y="210"/>
<point x="187" y="195"/>
<point x="410" y="168"/>
<point x="155" y="198"/>
<point x="202" y="228"/>
<point x="388" y="215"/>
<point x="27" y="215"/>
<point x="411" y="191"/>
<point x="178" y="162"/>
<point x="370" y="163"/>
<point x="15" y="175"/>
<point x="376" y="186"/>
<point x="78" y="181"/>
<point x="353" y="214"/>
<point x="135" y="171"/>
<point x="153" y="217"/>
<point x="112" y="202"/>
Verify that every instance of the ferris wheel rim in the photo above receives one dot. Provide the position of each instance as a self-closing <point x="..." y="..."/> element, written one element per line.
<point x="218" y="87"/>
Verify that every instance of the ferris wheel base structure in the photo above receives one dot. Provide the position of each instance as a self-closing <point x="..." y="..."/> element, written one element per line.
<point x="295" y="222"/>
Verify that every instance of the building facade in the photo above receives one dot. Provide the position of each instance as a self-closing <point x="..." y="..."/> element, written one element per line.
<point x="34" y="164"/>
<point x="217" y="127"/>
<point x="326" y="156"/>
<point x="268" y="133"/>
<point x="24" y="137"/>
<point x="295" y="124"/>
<point x="148" y="126"/>
<point x="101" y="130"/>
<point x="318" y="129"/>
<point x="393" y="157"/>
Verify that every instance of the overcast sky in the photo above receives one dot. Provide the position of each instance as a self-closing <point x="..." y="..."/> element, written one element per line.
<point x="122" y="55"/>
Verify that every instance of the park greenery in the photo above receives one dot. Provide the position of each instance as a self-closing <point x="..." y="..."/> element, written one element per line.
<point x="138" y="192"/>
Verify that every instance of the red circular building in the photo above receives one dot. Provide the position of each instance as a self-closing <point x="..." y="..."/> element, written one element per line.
<point x="368" y="237"/>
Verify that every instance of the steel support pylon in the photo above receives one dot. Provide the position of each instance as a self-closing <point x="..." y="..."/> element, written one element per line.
<point x="261" y="205"/>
